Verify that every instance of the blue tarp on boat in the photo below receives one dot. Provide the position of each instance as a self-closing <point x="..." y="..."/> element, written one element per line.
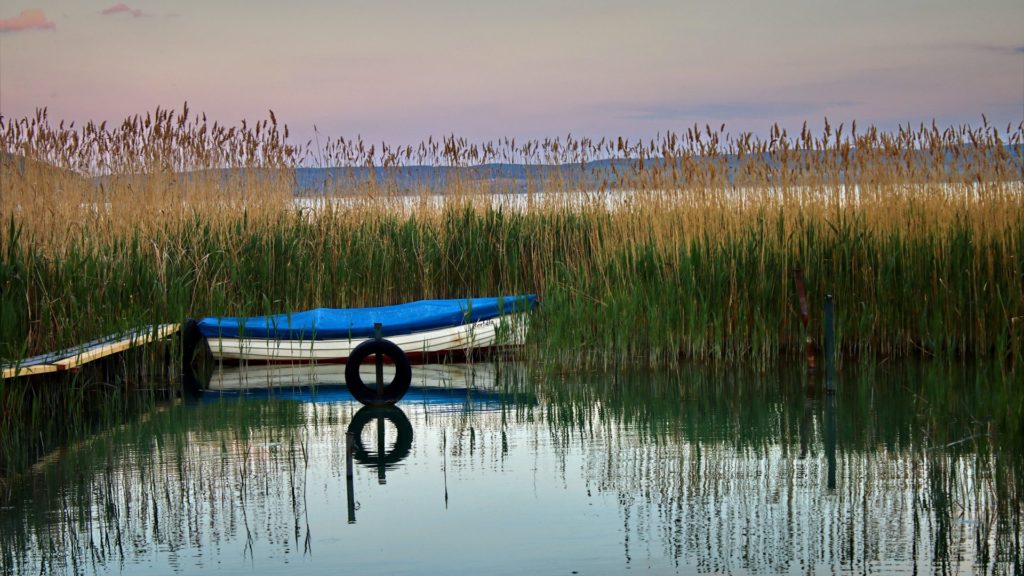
<point x="333" y="323"/>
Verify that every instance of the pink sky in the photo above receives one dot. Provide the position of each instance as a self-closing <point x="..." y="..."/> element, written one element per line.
<point x="403" y="70"/>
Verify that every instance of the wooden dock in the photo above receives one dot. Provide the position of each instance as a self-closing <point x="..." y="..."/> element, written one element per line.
<point x="70" y="358"/>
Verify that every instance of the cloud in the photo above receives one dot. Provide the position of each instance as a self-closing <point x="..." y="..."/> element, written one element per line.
<point x="1002" y="49"/>
<point x="30" y="19"/>
<point x="122" y="8"/>
<point x="999" y="49"/>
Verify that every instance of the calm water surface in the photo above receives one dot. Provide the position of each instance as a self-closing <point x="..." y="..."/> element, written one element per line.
<point x="491" y="470"/>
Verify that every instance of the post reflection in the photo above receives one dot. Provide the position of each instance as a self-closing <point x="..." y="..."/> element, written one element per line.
<point x="830" y="439"/>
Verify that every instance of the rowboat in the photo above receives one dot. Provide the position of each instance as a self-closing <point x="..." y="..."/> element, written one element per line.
<point x="424" y="330"/>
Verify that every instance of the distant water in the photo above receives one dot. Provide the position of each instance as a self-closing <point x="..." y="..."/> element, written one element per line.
<point x="618" y="199"/>
<point x="491" y="470"/>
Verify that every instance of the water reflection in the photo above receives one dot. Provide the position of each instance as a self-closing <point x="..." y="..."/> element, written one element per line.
<point x="383" y="459"/>
<point x="830" y="438"/>
<point x="477" y="376"/>
<point x="907" y="468"/>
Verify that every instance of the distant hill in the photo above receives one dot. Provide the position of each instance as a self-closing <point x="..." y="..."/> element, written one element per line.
<point x="517" y="177"/>
<point x="514" y="178"/>
<point x="25" y="165"/>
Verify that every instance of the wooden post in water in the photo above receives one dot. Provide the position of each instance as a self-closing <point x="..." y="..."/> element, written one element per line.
<point x="349" y="449"/>
<point x="830" y="345"/>
<point x="805" y="313"/>
<point x="1017" y="327"/>
<point x="380" y="362"/>
<point x="830" y="389"/>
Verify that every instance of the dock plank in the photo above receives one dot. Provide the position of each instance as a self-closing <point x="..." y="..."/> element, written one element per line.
<point x="69" y="358"/>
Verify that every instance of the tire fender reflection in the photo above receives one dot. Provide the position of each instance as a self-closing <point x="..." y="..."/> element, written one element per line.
<point x="382" y="459"/>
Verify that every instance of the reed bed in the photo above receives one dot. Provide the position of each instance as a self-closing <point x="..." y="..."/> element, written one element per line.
<point x="643" y="252"/>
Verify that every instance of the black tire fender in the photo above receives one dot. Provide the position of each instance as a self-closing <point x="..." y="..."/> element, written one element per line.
<point x="392" y="392"/>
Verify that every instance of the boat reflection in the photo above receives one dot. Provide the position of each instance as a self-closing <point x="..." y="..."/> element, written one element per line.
<point x="477" y="375"/>
<point x="480" y="385"/>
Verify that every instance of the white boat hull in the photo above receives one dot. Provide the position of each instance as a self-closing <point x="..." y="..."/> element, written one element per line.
<point x="504" y="331"/>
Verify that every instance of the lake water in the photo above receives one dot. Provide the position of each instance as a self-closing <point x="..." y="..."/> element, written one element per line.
<point x="493" y="469"/>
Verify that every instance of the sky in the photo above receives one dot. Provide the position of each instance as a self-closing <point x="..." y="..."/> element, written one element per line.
<point x="400" y="71"/>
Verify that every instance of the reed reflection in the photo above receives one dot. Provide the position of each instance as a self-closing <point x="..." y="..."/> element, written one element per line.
<point x="909" y="468"/>
<point x="752" y="472"/>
